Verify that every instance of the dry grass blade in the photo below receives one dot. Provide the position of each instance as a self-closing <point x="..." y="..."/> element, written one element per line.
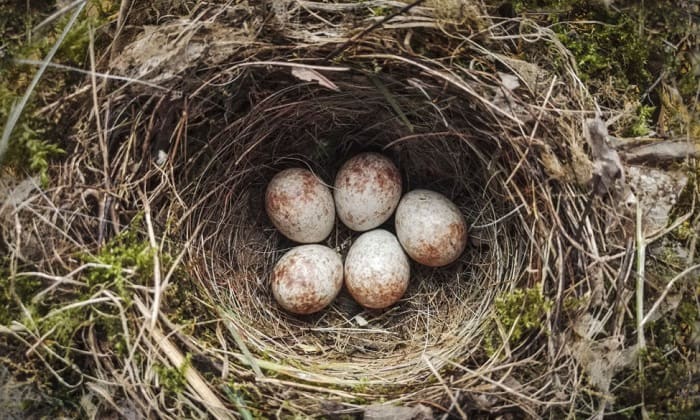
<point x="17" y="108"/>
<point x="194" y="379"/>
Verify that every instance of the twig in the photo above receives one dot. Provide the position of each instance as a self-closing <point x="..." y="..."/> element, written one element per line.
<point x="641" y="246"/>
<point x="667" y="289"/>
<point x="95" y="74"/>
<point x="56" y="15"/>
<point x="342" y="47"/>
<point x="641" y="342"/>
<point x="192" y="376"/>
<point x="157" y="278"/>
<point x="447" y="389"/>
<point x="241" y="344"/>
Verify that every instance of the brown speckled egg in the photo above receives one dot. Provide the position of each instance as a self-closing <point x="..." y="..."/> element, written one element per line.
<point x="377" y="270"/>
<point x="300" y="206"/>
<point x="367" y="191"/>
<point x="307" y="278"/>
<point x="431" y="228"/>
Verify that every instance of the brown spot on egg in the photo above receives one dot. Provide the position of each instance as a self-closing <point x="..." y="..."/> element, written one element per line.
<point x="431" y="228"/>
<point x="307" y="279"/>
<point x="309" y="186"/>
<point x="428" y="254"/>
<point x="367" y="190"/>
<point x="300" y="206"/>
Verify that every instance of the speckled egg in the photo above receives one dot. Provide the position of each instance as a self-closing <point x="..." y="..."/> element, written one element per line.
<point x="307" y="278"/>
<point x="431" y="228"/>
<point x="367" y="191"/>
<point x="377" y="270"/>
<point x="300" y="206"/>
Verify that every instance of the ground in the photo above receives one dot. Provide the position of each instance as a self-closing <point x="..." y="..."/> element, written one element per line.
<point x="638" y="57"/>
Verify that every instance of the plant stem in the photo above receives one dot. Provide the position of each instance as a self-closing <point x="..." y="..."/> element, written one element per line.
<point x="641" y="256"/>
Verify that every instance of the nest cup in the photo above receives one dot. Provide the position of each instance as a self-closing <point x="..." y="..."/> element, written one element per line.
<point x="295" y="124"/>
<point x="506" y="148"/>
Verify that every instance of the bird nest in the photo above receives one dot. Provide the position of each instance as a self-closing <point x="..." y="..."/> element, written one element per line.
<point x="216" y="104"/>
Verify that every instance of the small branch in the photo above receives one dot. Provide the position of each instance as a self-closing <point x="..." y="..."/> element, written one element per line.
<point x="666" y="291"/>
<point x="196" y="382"/>
<point x="157" y="277"/>
<point x="370" y="28"/>
<point x="447" y="389"/>
<point x="641" y="256"/>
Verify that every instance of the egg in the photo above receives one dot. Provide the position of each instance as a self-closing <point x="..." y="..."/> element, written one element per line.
<point x="367" y="191"/>
<point x="431" y="228"/>
<point x="307" y="278"/>
<point x="300" y="206"/>
<point x="377" y="270"/>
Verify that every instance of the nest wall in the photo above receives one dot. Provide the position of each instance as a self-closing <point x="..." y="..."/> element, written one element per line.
<point x="444" y="134"/>
<point x="309" y="126"/>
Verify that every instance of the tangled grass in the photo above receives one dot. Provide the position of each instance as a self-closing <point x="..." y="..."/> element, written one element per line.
<point x="152" y="252"/>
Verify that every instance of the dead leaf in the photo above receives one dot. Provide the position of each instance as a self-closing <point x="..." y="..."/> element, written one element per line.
<point x="530" y="74"/>
<point x="509" y="81"/>
<point x="602" y="359"/>
<point x="588" y="326"/>
<point x="310" y="75"/>
<point x="505" y="99"/>
<point x="12" y="194"/>
<point x="361" y="321"/>
<point x="663" y="152"/>
<point x="606" y="161"/>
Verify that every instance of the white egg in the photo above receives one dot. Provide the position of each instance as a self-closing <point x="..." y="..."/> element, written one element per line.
<point x="431" y="228"/>
<point x="367" y="191"/>
<point x="377" y="270"/>
<point x="300" y="206"/>
<point x="307" y="278"/>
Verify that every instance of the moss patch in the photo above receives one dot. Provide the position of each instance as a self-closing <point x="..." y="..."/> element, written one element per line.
<point x="66" y="318"/>
<point x="517" y="315"/>
<point x="36" y="140"/>
<point x="627" y="52"/>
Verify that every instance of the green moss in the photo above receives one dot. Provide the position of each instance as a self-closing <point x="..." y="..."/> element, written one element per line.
<point x="519" y="313"/>
<point x="173" y="379"/>
<point x="626" y="52"/>
<point x="572" y="303"/>
<point x="362" y="387"/>
<point x="63" y="317"/>
<point x="35" y="140"/>
<point x="14" y="290"/>
<point x="380" y="11"/>
<point x="607" y="44"/>
<point x="641" y="125"/>
<point x="127" y="252"/>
